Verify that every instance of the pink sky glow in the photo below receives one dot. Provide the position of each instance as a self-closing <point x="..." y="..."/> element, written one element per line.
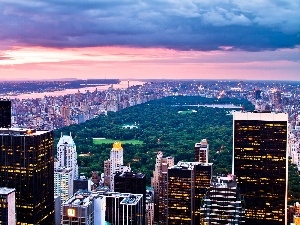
<point x="36" y="63"/>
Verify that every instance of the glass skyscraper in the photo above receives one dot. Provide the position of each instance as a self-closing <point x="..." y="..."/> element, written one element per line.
<point x="5" y="113"/>
<point x="27" y="164"/>
<point x="261" y="166"/>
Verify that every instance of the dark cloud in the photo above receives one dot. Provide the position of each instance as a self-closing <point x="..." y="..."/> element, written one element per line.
<point x="182" y="25"/>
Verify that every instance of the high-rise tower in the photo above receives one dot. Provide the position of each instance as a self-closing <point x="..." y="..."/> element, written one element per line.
<point x="67" y="155"/>
<point x="114" y="165"/>
<point x="187" y="184"/>
<point x="261" y="166"/>
<point x="27" y="164"/>
<point x="222" y="203"/>
<point x="5" y="113"/>
<point x="66" y="168"/>
<point x="159" y="182"/>
<point x="201" y="151"/>
<point x="7" y="206"/>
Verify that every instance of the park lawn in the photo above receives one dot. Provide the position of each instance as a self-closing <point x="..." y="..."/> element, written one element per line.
<point x="99" y="141"/>
<point x="187" y="112"/>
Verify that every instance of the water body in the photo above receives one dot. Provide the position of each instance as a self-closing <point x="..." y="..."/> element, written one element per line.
<point x="121" y="85"/>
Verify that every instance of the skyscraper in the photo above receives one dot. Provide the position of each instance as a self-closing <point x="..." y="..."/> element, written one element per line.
<point x="261" y="166"/>
<point x="159" y="182"/>
<point x="7" y="206"/>
<point x="201" y="151"/>
<point x="187" y="184"/>
<point x="114" y="165"/>
<point x="5" y="114"/>
<point x="135" y="183"/>
<point x="222" y="203"/>
<point x="67" y="155"/>
<point x="63" y="183"/>
<point x="27" y="164"/>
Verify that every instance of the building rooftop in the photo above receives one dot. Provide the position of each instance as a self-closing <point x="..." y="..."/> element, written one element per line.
<point x="21" y="131"/>
<point x="66" y="139"/>
<point x="130" y="174"/>
<point x="131" y="199"/>
<point x="6" y="191"/>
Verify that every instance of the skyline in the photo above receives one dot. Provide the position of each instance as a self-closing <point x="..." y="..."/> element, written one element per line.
<point x="159" y="39"/>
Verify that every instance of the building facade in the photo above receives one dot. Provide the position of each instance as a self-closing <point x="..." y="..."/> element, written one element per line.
<point x="222" y="204"/>
<point x="187" y="184"/>
<point x="7" y="206"/>
<point x="135" y="183"/>
<point x="5" y="113"/>
<point x="63" y="183"/>
<point x="67" y="155"/>
<point x="159" y="182"/>
<point x="201" y="151"/>
<point x="261" y="166"/>
<point x="27" y="164"/>
<point x="114" y="165"/>
<point x="79" y="209"/>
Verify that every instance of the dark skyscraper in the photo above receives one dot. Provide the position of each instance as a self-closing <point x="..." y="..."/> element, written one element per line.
<point x="187" y="184"/>
<point x="27" y="164"/>
<point x="134" y="183"/>
<point x="5" y="114"/>
<point x="260" y="165"/>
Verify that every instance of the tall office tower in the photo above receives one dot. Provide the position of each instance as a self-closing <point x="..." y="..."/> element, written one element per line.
<point x="222" y="203"/>
<point x="27" y="164"/>
<point x="132" y="212"/>
<point x="116" y="160"/>
<point x="261" y="166"/>
<point x="114" y="165"/>
<point x="67" y="155"/>
<point x="187" y="183"/>
<point x="5" y="113"/>
<point x="159" y="182"/>
<point x="7" y="206"/>
<point x="203" y="176"/>
<point x="135" y="183"/>
<point x="63" y="183"/>
<point x="201" y="151"/>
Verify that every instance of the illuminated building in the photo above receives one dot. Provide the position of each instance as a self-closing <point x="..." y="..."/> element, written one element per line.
<point x="67" y="155"/>
<point x="187" y="184"/>
<point x="7" y="206"/>
<point x="261" y="166"/>
<point x="222" y="203"/>
<point x="116" y="160"/>
<point x="201" y="151"/>
<point x="63" y="183"/>
<point x="159" y="182"/>
<point x="5" y="113"/>
<point x="135" y="183"/>
<point x="79" y="209"/>
<point x="27" y="164"/>
<point x="114" y="165"/>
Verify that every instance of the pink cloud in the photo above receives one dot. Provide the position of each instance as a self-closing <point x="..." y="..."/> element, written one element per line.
<point x="125" y="62"/>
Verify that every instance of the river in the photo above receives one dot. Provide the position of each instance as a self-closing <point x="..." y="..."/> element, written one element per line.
<point x="121" y="85"/>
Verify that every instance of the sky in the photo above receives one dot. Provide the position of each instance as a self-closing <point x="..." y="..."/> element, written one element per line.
<point x="159" y="39"/>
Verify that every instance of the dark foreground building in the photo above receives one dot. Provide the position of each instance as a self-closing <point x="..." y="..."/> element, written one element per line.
<point x="27" y="164"/>
<point x="260" y="165"/>
<point x="5" y="114"/>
